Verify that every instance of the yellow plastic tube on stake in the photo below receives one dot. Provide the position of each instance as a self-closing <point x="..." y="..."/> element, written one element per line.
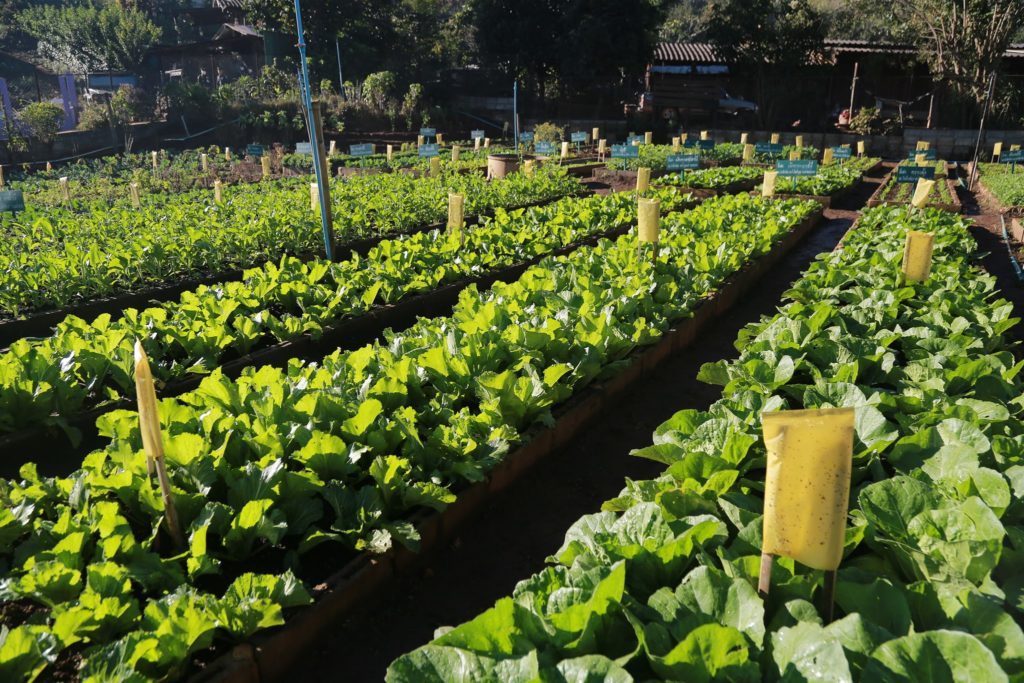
<point x="332" y="147"/>
<point x="648" y="218"/>
<point x="595" y="134"/>
<point x="390" y="151"/>
<point x="748" y="152"/>
<point x="156" y="161"/>
<point x="133" y="191"/>
<point x="440" y="138"/>
<point x="314" y="197"/>
<point x="860" y="148"/>
<point x="921" y="159"/>
<point x="265" y="165"/>
<point x="419" y="140"/>
<point x="675" y="145"/>
<point x="457" y="214"/>
<point x="921" y="192"/>
<point x="744" y="137"/>
<point x="227" y="154"/>
<point x="684" y="137"/>
<point x="476" y="143"/>
<point x="768" y="185"/>
<point x="565" y="150"/>
<point x="602" y="146"/>
<point x="487" y="143"/>
<point x="997" y="150"/>
<point x="152" y="441"/>
<point x="65" y="191"/>
<point x="643" y="179"/>
<point x="648" y="137"/>
<point x="807" y="484"/>
<point x="799" y="140"/>
<point x="917" y="256"/>
<point x="826" y="156"/>
<point x="218" y="191"/>
<point x="775" y="138"/>
<point x="528" y="167"/>
<point x="455" y="152"/>
<point x="435" y="167"/>
<point x="704" y="135"/>
<point x="923" y="145"/>
<point x="204" y="158"/>
<point x="794" y="155"/>
<point x="1013" y="148"/>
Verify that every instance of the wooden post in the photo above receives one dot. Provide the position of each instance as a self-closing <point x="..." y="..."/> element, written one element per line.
<point x="156" y="161"/>
<point x="455" y="152"/>
<point x="227" y="154"/>
<point x="152" y="441"/>
<point x="314" y="197"/>
<point x="1" y="177"/>
<point x="829" y="596"/>
<point x="390" y="152"/>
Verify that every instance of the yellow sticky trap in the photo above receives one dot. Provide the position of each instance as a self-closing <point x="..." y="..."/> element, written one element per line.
<point x="775" y="138"/>
<point x="648" y="137"/>
<point x="602" y="146"/>
<point x="649" y="217"/>
<point x="476" y="143"/>
<point x="487" y="142"/>
<point x="133" y="190"/>
<point x="799" y="140"/>
<point x="675" y="145"/>
<point x="565" y="150"/>
<point x="921" y="159"/>
<point x="704" y="135"/>
<point x="456" y="211"/>
<point x="744" y="137"/>
<point x="440" y="138"/>
<point x="64" y="189"/>
<point x="156" y="161"/>
<point x="595" y="133"/>
<point x="218" y="191"/>
<point x="997" y="149"/>
<point x="204" y="158"/>
<point x="921" y="192"/>
<point x="768" y="186"/>
<point x="390" y="151"/>
<point x="314" y="197"/>
<point x="917" y="256"/>
<point x="435" y="167"/>
<point x="330" y="150"/>
<point x="528" y="167"/>
<point x="826" y="156"/>
<point x="748" y="152"/>
<point x="643" y="179"/>
<point x="265" y="163"/>
<point x="420" y="140"/>
<point x="455" y="152"/>
<point x="1013" y="148"/>
<point x="860" y="148"/>
<point x="227" y="154"/>
<point x="794" y="155"/>
<point x="807" y="484"/>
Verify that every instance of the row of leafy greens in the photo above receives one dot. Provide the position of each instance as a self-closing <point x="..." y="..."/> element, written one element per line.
<point x="86" y="364"/>
<point x="57" y="257"/>
<point x="660" y="585"/>
<point x="336" y="455"/>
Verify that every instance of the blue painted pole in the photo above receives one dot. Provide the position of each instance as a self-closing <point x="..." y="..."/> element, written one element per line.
<point x="314" y="138"/>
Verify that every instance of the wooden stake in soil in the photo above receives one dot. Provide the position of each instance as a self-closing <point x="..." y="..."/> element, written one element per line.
<point x="860" y="148"/>
<point x="1" y="177"/>
<point x="314" y="197"/>
<point x="744" y="137"/>
<point x="435" y="167"/>
<point x="152" y="441"/>
<point x="390" y="152"/>
<point x="156" y="161"/>
<point x="133" y="190"/>
<point x="565" y="151"/>
<point x="648" y="137"/>
<point x="768" y="184"/>
<point x="807" y="490"/>
<point x="204" y="159"/>
<point x="265" y="165"/>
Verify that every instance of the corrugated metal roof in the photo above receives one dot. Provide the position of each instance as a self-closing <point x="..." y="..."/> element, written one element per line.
<point x="686" y="52"/>
<point x="868" y="46"/>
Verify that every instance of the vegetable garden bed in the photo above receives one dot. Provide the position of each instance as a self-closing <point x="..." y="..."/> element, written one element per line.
<point x="508" y="253"/>
<point x="943" y="195"/>
<point x="661" y="584"/>
<point x="268" y="658"/>
<point x="336" y="456"/>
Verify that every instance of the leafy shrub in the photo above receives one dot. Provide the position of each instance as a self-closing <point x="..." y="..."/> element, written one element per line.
<point x="43" y="120"/>
<point x="548" y="132"/>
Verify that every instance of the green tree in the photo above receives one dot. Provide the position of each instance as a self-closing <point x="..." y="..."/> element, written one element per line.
<point x="43" y="120"/>
<point x="685" y="21"/>
<point x="520" y="38"/>
<point x="771" y="40"/>
<point x="97" y="35"/>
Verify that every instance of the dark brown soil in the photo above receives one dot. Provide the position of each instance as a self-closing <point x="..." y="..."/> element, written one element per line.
<point x="515" y="533"/>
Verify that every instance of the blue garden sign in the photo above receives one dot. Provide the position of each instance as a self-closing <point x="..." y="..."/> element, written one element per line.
<point x="706" y="144"/>
<point x="428" y="132"/>
<point x="579" y="136"/>
<point x="254" y="150"/>
<point x="842" y="153"/>
<point x="792" y="168"/>
<point x="476" y="135"/>
<point x="772" y="148"/>
<point x="526" y="137"/>
<point x="911" y="174"/>
<point x="544" y="148"/>
<point x="929" y="154"/>
<point x="12" y="200"/>
<point x="681" y="162"/>
<point x="303" y="148"/>
<point x="430" y="150"/>
<point x="364" y="150"/>
<point x="625" y="152"/>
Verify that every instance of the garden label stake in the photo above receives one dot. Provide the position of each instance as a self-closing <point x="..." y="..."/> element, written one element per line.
<point x="744" y="137"/>
<point x="314" y="197"/>
<point x="648" y="219"/>
<point x="807" y="491"/>
<point x="64" y="190"/>
<point x="775" y="138"/>
<point x="227" y="154"/>
<point x="748" y="152"/>
<point x="648" y="137"/>
<point x="917" y="256"/>
<point x="457" y="215"/>
<point x="643" y="179"/>
<point x="218" y="193"/>
<point x="152" y="441"/>
<point x="455" y="152"/>
<point x="768" y="185"/>
<point x="133" y="190"/>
